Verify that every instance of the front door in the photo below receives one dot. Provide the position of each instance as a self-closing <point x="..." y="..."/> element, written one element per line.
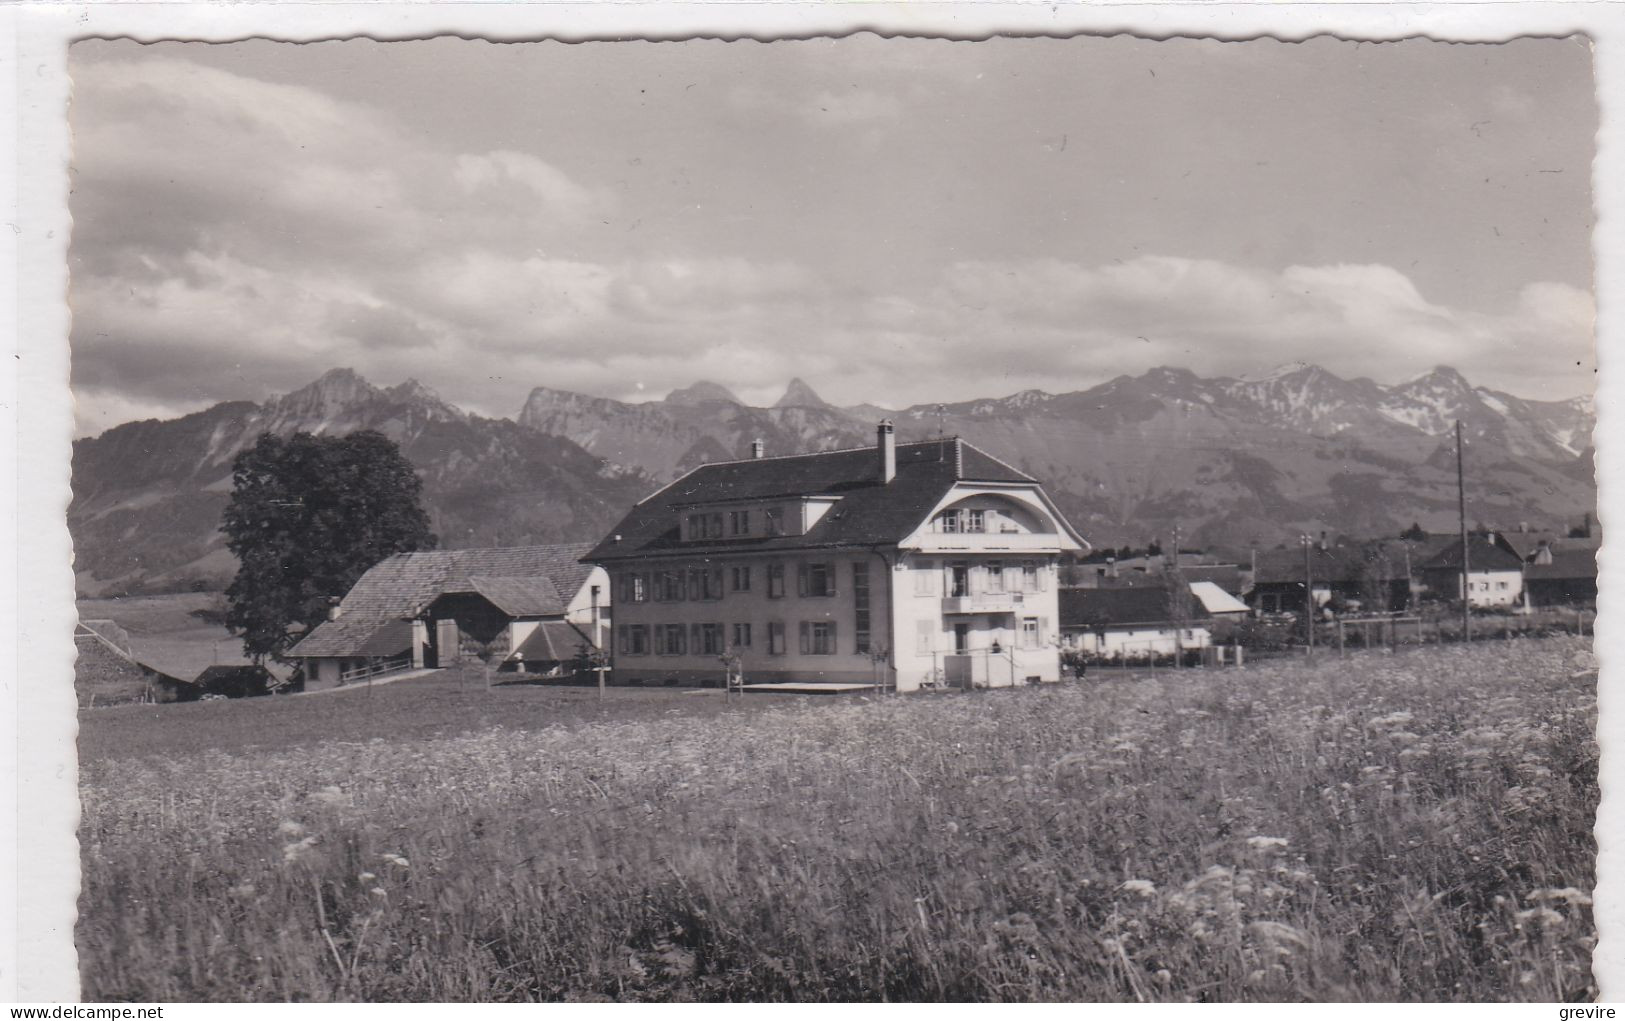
<point x="961" y="639"/>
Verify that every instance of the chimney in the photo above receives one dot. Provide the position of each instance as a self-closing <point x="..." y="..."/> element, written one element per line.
<point x="332" y="608"/>
<point x="886" y="445"/>
<point x="758" y="450"/>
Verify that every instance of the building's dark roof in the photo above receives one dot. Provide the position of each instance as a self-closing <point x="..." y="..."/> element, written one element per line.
<point x="391" y="639"/>
<point x="117" y="641"/>
<point x="553" y="641"/>
<point x="516" y="597"/>
<point x="1118" y="607"/>
<point x="1566" y="565"/>
<point x="1526" y="544"/>
<point x="868" y="513"/>
<point x="399" y="587"/>
<point x="1481" y="556"/>
<point x="1334" y="564"/>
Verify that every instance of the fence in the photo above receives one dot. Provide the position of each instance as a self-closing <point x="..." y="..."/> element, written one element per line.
<point x="374" y="667"/>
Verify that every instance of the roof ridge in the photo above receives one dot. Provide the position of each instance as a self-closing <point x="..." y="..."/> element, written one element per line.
<point x="993" y="457"/>
<point x="817" y="453"/>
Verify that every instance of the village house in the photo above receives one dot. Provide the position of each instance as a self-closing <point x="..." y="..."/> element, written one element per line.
<point x="528" y="607"/>
<point x="912" y="564"/>
<point x="1494" y="573"/>
<point x="1133" y="623"/>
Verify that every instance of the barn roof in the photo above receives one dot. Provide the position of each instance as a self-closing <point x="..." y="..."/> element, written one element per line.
<point x="1118" y="607"/>
<point x="1567" y="564"/>
<point x="553" y="641"/>
<point x="516" y="597"/>
<point x="870" y="511"/>
<point x="399" y="587"/>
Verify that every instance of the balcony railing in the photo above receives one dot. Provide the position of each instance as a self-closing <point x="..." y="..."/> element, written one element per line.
<point x="985" y="602"/>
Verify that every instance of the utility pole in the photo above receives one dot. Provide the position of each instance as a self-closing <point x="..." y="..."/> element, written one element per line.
<point x="1309" y="589"/>
<point x="1461" y="508"/>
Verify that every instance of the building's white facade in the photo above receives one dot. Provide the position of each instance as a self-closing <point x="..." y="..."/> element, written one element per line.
<point x="964" y="596"/>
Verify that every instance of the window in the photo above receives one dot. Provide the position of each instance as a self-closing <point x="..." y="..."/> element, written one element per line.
<point x="975" y="521"/>
<point x="1030" y="579"/>
<point x="1501" y="585"/>
<point x="860" y="603"/>
<point x="670" y="640"/>
<point x="995" y="576"/>
<point x="668" y="586"/>
<point x="705" y="583"/>
<point x="818" y="638"/>
<point x="1029" y="633"/>
<point x="775" y="637"/>
<point x="633" y="588"/>
<point x="774" y="517"/>
<point x="815" y="580"/>
<point x="925" y="578"/>
<point x="706" y="639"/>
<point x="741" y="636"/>
<point x="775" y="581"/>
<point x="924" y="634"/>
<point x="958" y="579"/>
<point x="948" y="521"/>
<point x="740" y="578"/>
<point x="634" y="639"/>
<point x="739" y="522"/>
<point x="705" y="526"/>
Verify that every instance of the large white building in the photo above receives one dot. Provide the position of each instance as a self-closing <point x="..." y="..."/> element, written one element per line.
<point x="914" y="564"/>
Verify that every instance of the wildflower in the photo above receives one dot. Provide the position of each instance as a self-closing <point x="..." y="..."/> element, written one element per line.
<point x="1266" y="843"/>
<point x="1567" y="894"/>
<point x="291" y="828"/>
<point x="243" y="890"/>
<point x="378" y="891"/>
<point x="1543" y="917"/>
<point x="395" y="859"/>
<point x="331" y="796"/>
<point x="366" y="877"/>
<point x="1141" y="887"/>
<point x="295" y="851"/>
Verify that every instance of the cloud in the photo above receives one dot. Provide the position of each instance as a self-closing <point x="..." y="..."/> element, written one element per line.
<point x="236" y="237"/>
<point x="545" y="183"/>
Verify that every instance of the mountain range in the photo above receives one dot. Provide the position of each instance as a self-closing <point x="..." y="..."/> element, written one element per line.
<point x="1229" y="462"/>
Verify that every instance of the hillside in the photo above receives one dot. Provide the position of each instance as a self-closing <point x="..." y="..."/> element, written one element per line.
<point x="1228" y="461"/>
<point x="147" y="497"/>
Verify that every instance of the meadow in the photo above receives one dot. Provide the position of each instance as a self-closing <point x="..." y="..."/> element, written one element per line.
<point x="1414" y="826"/>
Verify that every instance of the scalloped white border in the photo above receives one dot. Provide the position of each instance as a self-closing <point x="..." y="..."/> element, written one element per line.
<point x="37" y="961"/>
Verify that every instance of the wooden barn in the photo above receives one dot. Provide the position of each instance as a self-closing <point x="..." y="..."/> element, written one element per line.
<point x="437" y="608"/>
<point x="107" y="670"/>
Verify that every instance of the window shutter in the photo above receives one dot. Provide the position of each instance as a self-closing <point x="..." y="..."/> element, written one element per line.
<point x="830" y="573"/>
<point x="922" y="636"/>
<point x="1042" y="638"/>
<point x="660" y="639"/>
<point x="801" y="584"/>
<point x="806" y="638"/>
<point x="832" y="646"/>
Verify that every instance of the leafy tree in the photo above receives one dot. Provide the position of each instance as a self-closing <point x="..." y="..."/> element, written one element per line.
<point x="308" y="516"/>
<point x="1414" y="533"/>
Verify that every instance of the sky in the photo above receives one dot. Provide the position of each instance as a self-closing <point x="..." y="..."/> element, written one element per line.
<point x="894" y="221"/>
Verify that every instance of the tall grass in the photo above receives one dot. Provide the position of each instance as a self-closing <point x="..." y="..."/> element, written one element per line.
<point x="1387" y="827"/>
